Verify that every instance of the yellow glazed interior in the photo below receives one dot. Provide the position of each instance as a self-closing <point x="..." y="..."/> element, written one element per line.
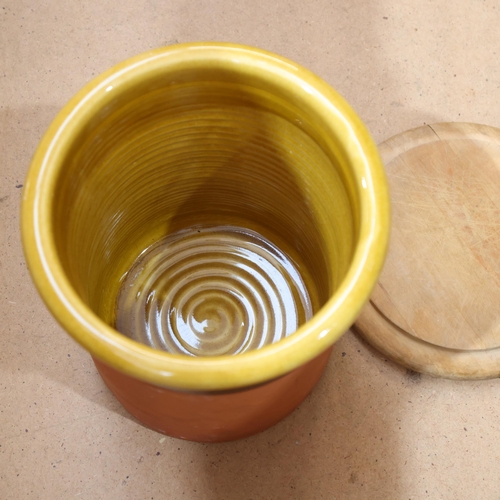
<point x="201" y="135"/>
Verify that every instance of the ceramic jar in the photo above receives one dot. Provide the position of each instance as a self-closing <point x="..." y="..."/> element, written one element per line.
<point x="184" y="139"/>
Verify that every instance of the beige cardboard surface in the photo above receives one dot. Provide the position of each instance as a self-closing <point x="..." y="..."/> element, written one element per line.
<point x="370" y="430"/>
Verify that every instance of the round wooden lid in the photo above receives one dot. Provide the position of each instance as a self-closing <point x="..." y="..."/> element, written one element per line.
<point x="436" y="307"/>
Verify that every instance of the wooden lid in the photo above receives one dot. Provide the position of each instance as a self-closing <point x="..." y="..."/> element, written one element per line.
<point x="436" y="307"/>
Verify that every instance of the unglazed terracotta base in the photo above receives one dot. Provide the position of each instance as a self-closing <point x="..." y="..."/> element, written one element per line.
<point x="215" y="416"/>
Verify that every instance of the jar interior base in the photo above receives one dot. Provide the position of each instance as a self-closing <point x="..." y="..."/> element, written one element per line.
<point x="208" y="291"/>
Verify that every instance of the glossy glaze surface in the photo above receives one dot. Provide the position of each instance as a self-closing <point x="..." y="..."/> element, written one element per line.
<point x="212" y="291"/>
<point x="216" y="134"/>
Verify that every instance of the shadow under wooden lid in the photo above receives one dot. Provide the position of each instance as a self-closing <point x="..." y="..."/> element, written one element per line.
<point x="436" y="307"/>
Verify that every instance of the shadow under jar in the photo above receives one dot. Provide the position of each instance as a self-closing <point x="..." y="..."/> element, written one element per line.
<point x="223" y="209"/>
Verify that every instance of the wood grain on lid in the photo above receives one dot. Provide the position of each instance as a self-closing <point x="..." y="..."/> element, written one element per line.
<point x="436" y="307"/>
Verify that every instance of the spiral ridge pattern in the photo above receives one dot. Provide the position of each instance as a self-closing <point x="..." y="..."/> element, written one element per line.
<point x="212" y="291"/>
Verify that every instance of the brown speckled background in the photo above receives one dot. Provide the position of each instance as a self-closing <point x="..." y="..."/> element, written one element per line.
<point x="370" y="430"/>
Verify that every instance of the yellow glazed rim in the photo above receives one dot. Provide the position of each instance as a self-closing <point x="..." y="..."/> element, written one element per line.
<point x="222" y="372"/>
